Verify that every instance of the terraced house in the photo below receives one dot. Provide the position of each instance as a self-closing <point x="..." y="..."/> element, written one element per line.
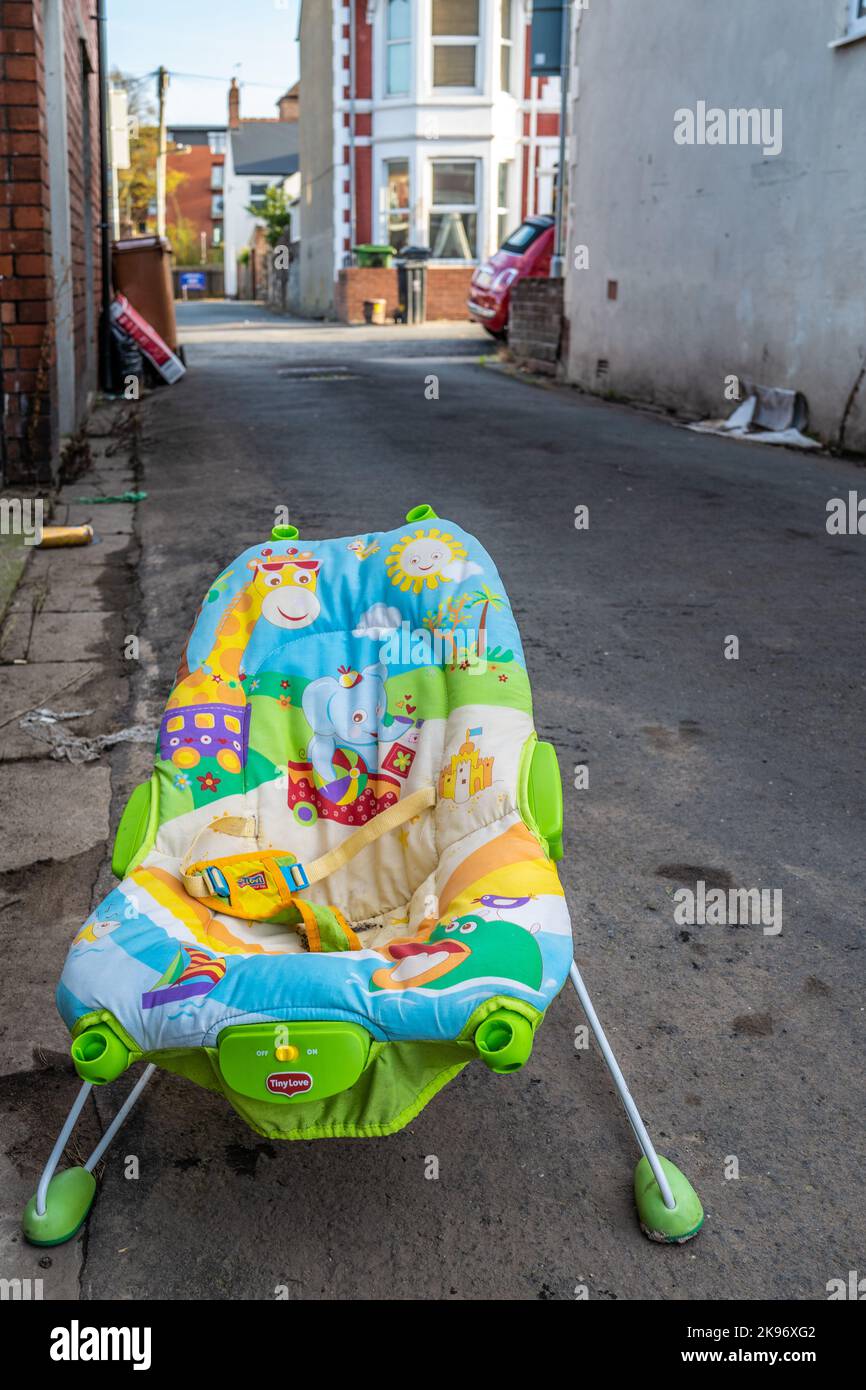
<point x="421" y="125"/>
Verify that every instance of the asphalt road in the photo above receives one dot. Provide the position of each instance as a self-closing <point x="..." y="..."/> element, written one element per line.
<point x="744" y="1049"/>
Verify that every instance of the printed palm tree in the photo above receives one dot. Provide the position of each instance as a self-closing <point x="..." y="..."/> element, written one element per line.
<point x="452" y="611"/>
<point x="487" y="599"/>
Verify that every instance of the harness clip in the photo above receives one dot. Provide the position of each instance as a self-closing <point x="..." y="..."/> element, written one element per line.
<point x="218" y="882"/>
<point x="297" y="874"/>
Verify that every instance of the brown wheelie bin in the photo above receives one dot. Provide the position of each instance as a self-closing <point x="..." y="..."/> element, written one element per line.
<point x="141" y="269"/>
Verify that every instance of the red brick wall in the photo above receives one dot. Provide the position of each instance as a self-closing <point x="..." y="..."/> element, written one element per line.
<point x="29" y="414"/>
<point x="363" y="52"/>
<point x="25" y="241"/>
<point x="447" y="291"/>
<point x="363" y="194"/>
<point x="192" y="199"/>
<point x="535" y="332"/>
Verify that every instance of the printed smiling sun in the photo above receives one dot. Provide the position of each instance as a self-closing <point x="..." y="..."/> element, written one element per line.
<point x="429" y="558"/>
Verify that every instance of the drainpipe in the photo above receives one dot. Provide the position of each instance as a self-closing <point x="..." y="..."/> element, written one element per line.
<point x="557" y="261"/>
<point x="352" y="40"/>
<point x="105" y="373"/>
<point x="532" y="171"/>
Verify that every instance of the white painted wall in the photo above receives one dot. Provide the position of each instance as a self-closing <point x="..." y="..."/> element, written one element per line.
<point x="238" y="223"/>
<point x="727" y="261"/>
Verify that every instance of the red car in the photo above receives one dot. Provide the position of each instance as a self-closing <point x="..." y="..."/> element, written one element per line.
<point x="526" y="254"/>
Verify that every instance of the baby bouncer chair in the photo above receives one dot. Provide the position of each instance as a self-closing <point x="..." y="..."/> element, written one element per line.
<point x="339" y="884"/>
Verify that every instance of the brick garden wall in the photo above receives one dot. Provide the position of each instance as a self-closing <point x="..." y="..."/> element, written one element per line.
<point x="535" y="328"/>
<point x="447" y="291"/>
<point x="29" y="416"/>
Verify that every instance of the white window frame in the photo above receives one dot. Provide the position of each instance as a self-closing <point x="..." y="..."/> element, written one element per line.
<point x="476" y="207"/>
<point x="251" y="199"/>
<point x="387" y="44"/>
<point x="856" y="19"/>
<point x="386" y="207"/>
<point x="506" y="41"/>
<point x="459" y="41"/>
<point x="503" y="209"/>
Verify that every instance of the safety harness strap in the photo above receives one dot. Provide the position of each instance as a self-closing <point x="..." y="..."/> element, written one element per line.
<point x="260" y="884"/>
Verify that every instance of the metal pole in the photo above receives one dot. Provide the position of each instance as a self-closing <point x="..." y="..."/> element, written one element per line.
<point x="119" y="1118"/>
<point x="558" y="260"/>
<point x="625" y="1096"/>
<point x="162" y="152"/>
<point x="57" y="1151"/>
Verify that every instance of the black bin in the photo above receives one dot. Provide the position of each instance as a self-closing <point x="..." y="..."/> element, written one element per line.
<point x="412" y="284"/>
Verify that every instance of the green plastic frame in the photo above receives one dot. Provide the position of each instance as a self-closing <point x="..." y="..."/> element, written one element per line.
<point x="540" y="793"/>
<point x="137" y="828"/>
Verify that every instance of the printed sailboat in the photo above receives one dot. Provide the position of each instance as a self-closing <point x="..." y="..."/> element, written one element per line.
<point x="191" y="973"/>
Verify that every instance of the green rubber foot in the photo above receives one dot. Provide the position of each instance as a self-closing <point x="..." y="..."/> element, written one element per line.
<point x="504" y="1040"/>
<point x="424" y="512"/>
<point x="657" y="1222"/>
<point x="98" y="1055"/>
<point x="284" y="533"/>
<point x="68" y="1200"/>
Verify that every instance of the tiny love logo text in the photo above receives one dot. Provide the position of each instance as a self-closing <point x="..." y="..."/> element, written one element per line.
<point x="289" y="1083"/>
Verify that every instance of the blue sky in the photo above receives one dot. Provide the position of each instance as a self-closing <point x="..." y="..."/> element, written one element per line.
<point x="210" y="37"/>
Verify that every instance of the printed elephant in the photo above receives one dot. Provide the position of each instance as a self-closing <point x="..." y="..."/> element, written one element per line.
<point x="346" y="711"/>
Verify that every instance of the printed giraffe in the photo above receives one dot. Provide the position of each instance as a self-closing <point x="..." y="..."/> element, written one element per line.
<point x="207" y="714"/>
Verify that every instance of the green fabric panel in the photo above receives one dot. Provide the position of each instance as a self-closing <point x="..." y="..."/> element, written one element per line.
<point x="192" y="1063"/>
<point x="397" y="1082"/>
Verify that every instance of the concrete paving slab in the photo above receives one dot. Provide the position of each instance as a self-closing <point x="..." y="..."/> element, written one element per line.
<point x="52" y="811"/>
<point x="37" y="685"/>
<point x="107" y="518"/>
<point x="15" y="637"/>
<point x="67" y="636"/>
<point x="103" y="550"/>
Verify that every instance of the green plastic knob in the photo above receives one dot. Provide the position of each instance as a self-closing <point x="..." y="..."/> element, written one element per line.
<point x="67" y="1202"/>
<point x="285" y="533"/>
<point x="99" y="1055"/>
<point x="422" y="513"/>
<point x="504" y="1040"/>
